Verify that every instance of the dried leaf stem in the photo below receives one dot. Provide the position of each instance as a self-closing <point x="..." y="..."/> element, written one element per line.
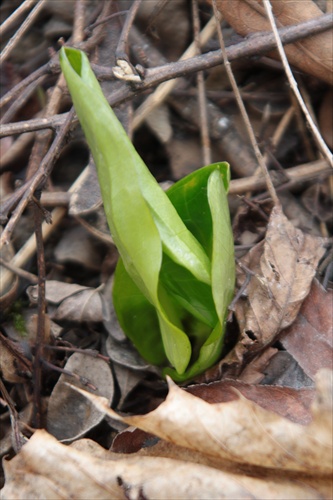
<point x="293" y="84"/>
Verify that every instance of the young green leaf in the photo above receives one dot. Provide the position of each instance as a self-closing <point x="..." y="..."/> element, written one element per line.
<point x="222" y="255"/>
<point x="173" y="281"/>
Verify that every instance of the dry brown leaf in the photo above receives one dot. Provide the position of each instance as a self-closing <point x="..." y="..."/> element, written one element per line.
<point x="132" y="440"/>
<point x="285" y="401"/>
<point x="313" y="55"/>
<point x="85" y="306"/>
<point x="8" y="366"/>
<point x="284" y="371"/>
<point x="284" y="266"/>
<point x="70" y="415"/>
<point x="77" y="247"/>
<point x="317" y="198"/>
<point x="46" y="469"/>
<point x="255" y="371"/>
<point x="238" y="432"/>
<point x="74" y="302"/>
<point x="309" y="338"/>
<point x="241" y="431"/>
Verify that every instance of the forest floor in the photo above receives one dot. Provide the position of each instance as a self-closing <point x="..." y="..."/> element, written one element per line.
<point x="258" y="424"/>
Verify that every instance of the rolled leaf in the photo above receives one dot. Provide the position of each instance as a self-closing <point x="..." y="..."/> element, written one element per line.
<point x="176" y="272"/>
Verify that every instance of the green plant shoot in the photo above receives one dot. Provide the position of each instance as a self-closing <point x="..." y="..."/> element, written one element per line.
<point x="176" y="272"/>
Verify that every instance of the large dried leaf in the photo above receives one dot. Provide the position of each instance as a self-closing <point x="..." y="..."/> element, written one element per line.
<point x="284" y="267"/>
<point x="312" y="55"/>
<point x="218" y="436"/>
<point x="242" y="431"/>
<point x="46" y="469"/>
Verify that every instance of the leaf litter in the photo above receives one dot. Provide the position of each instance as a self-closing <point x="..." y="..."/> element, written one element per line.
<point x="226" y="436"/>
<point x="258" y="441"/>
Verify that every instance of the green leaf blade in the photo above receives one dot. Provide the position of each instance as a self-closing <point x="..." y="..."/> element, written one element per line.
<point x="175" y="279"/>
<point x="122" y="198"/>
<point x="223" y="261"/>
<point x="150" y="329"/>
<point x="120" y="171"/>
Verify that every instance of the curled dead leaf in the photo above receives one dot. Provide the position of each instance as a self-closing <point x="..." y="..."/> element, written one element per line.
<point x="284" y="266"/>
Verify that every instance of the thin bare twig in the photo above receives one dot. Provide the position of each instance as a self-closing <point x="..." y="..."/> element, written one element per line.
<point x="53" y="122"/>
<point x="99" y="29"/>
<point x="40" y="337"/>
<point x="104" y="20"/>
<point x="15" y="91"/>
<point x="79" y="21"/>
<point x="255" y="45"/>
<point x="32" y="278"/>
<point x="43" y="138"/>
<point x="87" y="352"/>
<point x="293" y="84"/>
<point x="242" y="109"/>
<point x="53" y="66"/>
<point x="15" y="15"/>
<point x="204" y="128"/>
<point x="14" y="417"/>
<point x="18" y="34"/>
<point x="40" y="177"/>
<point x="22" y="99"/>
<point x="166" y="87"/>
<point x="282" y="126"/>
<point x="28" y="250"/>
<point x="124" y="69"/>
<point x="300" y="173"/>
<point x="121" y="50"/>
<point x="77" y="377"/>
